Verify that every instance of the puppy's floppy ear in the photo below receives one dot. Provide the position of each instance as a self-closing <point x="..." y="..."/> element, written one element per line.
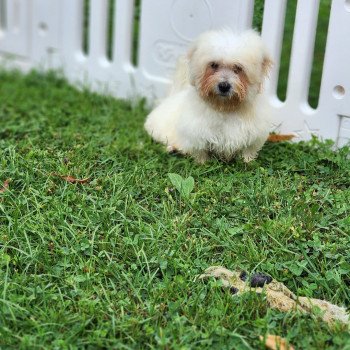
<point x="192" y="49"/>
<point x="267" y="64"/>
<point x="190" y="54"/>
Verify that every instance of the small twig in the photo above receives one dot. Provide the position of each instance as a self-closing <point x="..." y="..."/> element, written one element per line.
<point x="71" y="179"/>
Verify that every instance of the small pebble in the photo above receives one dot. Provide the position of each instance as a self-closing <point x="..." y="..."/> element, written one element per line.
<point x="259" y="280"/>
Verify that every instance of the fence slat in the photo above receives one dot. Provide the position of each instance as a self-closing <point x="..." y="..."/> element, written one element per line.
<point x="246" y="11"/>
<point x="302" y="51"/>
<point x="272" y="34"/>
<point x="15" y="33"/>
<point x="72" y="28"/>
<point x="3" y="15"/>
<point x="336" y="70"/>
<point x="123" y="29"/>
<point x="98" y="29"/>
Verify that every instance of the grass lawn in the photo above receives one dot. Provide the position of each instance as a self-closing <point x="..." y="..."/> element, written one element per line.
<point x="111" y="263"/>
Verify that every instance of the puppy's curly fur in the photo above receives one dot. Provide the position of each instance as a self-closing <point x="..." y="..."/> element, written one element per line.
<point x="216" y="104"/>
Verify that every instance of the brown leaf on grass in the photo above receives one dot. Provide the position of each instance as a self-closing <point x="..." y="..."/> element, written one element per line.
<point x="72" y="179"/>
<point x="280" y="137"/>
<point x="5" y="186"/>
<point x="275" y="342"/>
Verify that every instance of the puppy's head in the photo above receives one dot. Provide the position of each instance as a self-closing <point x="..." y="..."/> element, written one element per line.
<point x="228" y="69"/>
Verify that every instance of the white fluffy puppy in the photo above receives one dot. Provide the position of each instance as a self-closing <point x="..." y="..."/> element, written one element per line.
<point x="216" y="105"/>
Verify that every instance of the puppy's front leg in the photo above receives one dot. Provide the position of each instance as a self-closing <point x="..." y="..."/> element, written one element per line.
<point x="249" y="155"/>
<point x="200" y="156"/>
<point x="172" y="149"/>
<point x="251" y="152"/>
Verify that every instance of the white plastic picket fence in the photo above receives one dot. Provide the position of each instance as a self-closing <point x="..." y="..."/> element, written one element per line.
<point x="49" y="34"/>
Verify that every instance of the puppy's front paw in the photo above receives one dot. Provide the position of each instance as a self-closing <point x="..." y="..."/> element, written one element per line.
<point x="249" y="156"/>
<point x="172" y="149"/>
<point x="201" y="157"/>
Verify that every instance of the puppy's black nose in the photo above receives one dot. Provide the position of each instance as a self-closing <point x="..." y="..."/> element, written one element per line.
<point x="224" y="87"/>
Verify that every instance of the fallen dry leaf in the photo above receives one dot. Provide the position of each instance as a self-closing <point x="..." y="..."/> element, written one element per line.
<point x="280" y="137"/>
<point x="72" y="179"/>
<point x="275" y="342"/>
<point x="5" y="186"/>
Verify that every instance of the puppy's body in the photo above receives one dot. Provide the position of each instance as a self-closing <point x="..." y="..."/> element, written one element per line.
<point x="196" y="128"/>
<point x="215" y="104"/>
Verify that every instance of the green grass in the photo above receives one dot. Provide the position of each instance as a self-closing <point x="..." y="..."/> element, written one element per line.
<point x="112" y="263"/>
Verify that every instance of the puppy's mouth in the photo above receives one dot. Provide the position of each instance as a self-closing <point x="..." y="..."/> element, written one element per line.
<point x="225" y="94"/>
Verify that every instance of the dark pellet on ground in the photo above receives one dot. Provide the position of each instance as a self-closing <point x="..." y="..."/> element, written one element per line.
<point x="243" y="276"/>
<point x="233" y="290"/>
<point x="259" y="279"/>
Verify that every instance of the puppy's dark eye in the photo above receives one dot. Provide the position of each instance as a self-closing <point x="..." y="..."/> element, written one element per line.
<point x="214" y="65"/>
<point x="237" y="69"/>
